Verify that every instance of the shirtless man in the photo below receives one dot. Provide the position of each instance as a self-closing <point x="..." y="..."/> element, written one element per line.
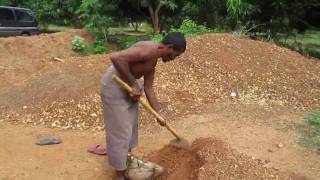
<point x="120" y="108"/>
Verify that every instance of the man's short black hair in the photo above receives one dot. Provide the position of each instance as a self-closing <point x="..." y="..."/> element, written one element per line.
<point x="177" y="39"/>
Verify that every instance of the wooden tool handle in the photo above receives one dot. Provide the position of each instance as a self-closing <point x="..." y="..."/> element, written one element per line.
<point x="144" y="102"/>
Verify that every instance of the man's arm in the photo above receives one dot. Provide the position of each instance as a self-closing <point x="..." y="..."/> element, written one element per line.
<point x="121" y="61"/>
<point x="148" y="89"/>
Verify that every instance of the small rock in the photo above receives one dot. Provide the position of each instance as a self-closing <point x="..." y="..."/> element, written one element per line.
<point x="93" y="115"/>
<point x="55" y="124"/>
<point x="233" y="94"/>
<point x="280" y="145"/>
<point x="25" y="107"/>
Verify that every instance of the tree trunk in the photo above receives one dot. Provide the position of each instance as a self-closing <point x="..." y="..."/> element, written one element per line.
<point x="154" y="14"/>
<point x="136" y="26"/>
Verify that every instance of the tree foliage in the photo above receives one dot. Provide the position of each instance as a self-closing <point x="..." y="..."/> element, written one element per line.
<point x="268" y="16"/>
<point x="154" y="7"/>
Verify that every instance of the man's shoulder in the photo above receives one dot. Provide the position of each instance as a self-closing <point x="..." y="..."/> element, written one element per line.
<point x="146" y="45"/>
<point x="146" y="48"/>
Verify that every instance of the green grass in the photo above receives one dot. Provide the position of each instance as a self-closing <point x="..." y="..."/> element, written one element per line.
<point x="312" y="132"/>
<point x="126" y="36"/>
<point x="51" y="28"/>
<point x="125" y="41"/>
<point x="144" y="28"/>
<point x="307" y="43"/>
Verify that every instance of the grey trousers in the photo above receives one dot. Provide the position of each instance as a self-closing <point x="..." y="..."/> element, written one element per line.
<point x="121" y="121"/>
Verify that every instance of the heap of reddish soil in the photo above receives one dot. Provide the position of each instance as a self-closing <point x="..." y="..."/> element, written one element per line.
<point x="22" y="57"/>
<point x="209" y="159"/>
<point x="36" y="90"/>
<point x="66" y="94"/>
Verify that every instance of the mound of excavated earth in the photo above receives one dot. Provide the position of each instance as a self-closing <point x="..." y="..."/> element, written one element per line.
<point x="209" y="159"/>
<point x="22" y="57"/>
<point x="214" y="68"/>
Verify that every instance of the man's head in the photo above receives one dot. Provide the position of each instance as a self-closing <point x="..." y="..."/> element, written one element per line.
<point x="174" y="44"/>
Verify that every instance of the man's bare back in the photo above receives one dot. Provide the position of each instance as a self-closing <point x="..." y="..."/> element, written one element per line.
<point x="143" y="58"/>
<point x="140" y="60"/>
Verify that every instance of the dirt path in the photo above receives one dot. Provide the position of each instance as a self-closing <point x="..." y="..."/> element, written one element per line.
<point x="247" y="128"/>
<point x="22" y="159"/>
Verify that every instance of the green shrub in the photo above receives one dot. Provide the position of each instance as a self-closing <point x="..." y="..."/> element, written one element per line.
<point x="158" y="38"/>
<point x="127" y="41"/>
<point x="188" y="27"/>
<point x="99" y="46"/>
<point x="78" y="44"/>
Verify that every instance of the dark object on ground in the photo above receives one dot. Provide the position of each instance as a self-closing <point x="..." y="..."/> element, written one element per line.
<point x="48" y="141"/>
